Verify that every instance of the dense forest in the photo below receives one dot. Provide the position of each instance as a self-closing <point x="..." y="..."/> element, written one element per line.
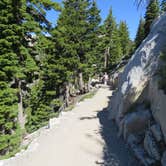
<point x="42" y="66"/>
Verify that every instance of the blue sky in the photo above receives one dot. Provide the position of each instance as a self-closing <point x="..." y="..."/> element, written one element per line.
<point x="122" y="10"/>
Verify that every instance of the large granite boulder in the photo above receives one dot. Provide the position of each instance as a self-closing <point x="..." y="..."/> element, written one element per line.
<point x="158" y="104"/>
<point x="156" y="131"/>
<point x="151" y="147"/>
<point x="140" y="69"/>
<point x="139" y="151"/>
<point x="135" y="122"/>
<point x="114" y="80"/>
<point x="163" y="160"/>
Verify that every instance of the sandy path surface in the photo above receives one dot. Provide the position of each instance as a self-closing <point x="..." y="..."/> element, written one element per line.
<point x="82" y="137"/>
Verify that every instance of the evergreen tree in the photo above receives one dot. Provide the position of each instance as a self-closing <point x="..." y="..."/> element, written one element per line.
<point x="132" y="49"/>
<point x="152" y="12"/>
<point x="124" y="38"/>
<point x="63" y="56"/>
<point x="92" y="54"/>
<point x="163" y="6"/>
<point x="71" y="39"/>
<point x="12" y="68"/>
<point x="140" y="33"/>
<point x="113" y="49"/>
<point x="41" y="103"/>
<point x="101" y="49"/>
<point x="18" y="20"/>
<point x="35" y="70"/>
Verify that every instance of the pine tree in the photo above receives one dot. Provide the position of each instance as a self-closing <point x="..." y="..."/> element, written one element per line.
<point x="152" y="12"/>
<point x="42" y="92"/>
<point x="92" y="54"/>
<point x="113" y="49"/>
<point x="41" y="103"/>
<point x="63" y="56"/>
<point x="11" y="59"/>
<point x="132" y="48"/>
<point x="124" y="38"/>
<point x="140" y="33"/>
<point x="101" y="49"/>
<point x="163" y="6"/>
<point x="18" y="20"/>
<point x="71" y="35"/>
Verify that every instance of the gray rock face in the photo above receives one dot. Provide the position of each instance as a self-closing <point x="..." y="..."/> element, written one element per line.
<point x="114" y="80"/>
<point x="158" y="104"/>
<point x="139" y="151"/>
<point x="156" y="131"/>
<point x="132" y="139"/>
<point x="139" y="70"/>
<point x="151" y="146"/>
<point x="136" y="84"/>
<point x="135" y="122"/>
<point x="163" y="160"/>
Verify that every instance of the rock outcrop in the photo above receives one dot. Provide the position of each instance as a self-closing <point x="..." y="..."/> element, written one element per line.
<point x="163" y="160"/>
<point x="140" y="69"/>
<point x="135" y="122"/>
<point x="137" y="86"/>
<point x="156" y="131"/>
<point x="157" y="99"/>
<point x="151" y="147"/>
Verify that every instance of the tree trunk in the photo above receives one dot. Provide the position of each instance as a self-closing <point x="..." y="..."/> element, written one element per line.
<point x="67" y="94"/>
<point x="21" y="117"/>
<point x="89" y="83"/>
<point x="81" y="82"/>
<point x="106" y="57"/>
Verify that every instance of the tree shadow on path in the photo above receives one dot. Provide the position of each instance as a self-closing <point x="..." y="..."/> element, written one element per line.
<point x="115" y="152"/>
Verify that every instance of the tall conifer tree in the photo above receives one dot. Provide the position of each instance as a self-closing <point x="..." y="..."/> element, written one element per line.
<point x="140" y="33"/>
<point x="18" y="20"/>
<point x="124" y="38"/>
<point x="92" y="54"/>
<point x="113" y="48"/>
<point x="71" y="36"/>
<point x="41" y="103"/>
<point x="152" y="12"/>
<point x="12" y="60"/>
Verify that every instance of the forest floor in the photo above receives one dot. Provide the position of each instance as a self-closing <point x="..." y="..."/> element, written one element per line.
<point x="81" y="137"/>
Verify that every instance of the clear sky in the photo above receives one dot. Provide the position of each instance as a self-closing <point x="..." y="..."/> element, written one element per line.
<point x="122" y="10"/>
